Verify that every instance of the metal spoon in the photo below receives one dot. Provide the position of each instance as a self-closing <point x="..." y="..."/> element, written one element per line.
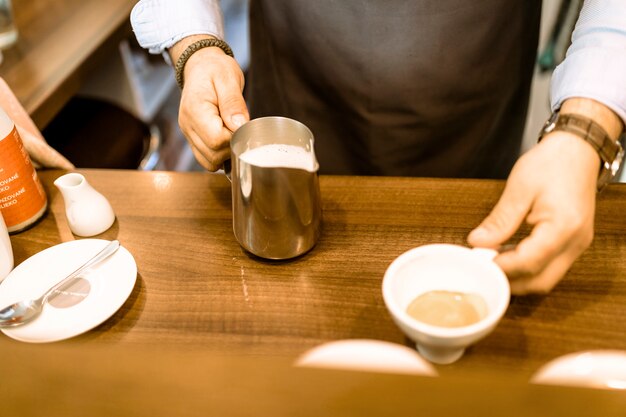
<point x="25" y="311"/>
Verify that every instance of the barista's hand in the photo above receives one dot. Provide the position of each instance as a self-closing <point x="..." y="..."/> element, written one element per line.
<point x="212" y="106"/>
<point x="553" y="188"/>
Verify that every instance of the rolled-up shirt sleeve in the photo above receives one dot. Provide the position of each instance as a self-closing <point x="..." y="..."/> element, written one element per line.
<point x="159" y="24"/>
<point x="595" y="64"/>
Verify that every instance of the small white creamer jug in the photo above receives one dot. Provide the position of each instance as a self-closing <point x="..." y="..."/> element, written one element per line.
<point x="88" y="212"/>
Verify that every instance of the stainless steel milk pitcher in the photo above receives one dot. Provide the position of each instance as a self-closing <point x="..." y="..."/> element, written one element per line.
<point x="276" y="209"/>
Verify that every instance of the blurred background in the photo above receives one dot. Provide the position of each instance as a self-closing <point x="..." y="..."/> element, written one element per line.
<point x="136" y="92"/>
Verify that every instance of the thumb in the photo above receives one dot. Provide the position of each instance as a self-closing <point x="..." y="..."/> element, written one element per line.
<point x="503" y="221"/>
<point x="232" y="106"/>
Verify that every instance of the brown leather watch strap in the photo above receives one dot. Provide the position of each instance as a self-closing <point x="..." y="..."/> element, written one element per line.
<point x="591" y="132"/>
<point x="609" y="150"/>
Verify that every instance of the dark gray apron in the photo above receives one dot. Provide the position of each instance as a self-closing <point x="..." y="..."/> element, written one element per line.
<point x="398" y="87"/>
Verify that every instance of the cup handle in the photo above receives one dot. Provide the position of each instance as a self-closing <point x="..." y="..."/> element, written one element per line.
<point x="486" y="253"/>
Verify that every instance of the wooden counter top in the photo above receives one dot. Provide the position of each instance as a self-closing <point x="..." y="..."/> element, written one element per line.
<point x="209" y="327"/>
<point x="198" y="288"/>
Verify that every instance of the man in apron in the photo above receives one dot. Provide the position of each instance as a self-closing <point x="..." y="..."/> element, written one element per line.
<point x="412" y="88"/>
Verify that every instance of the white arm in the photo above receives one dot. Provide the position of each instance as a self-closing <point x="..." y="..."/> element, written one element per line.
<point x="159" y="24"/>
<point x="595" y="65"/>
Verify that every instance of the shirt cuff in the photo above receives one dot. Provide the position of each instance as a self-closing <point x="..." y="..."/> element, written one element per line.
<point x="159" y="24"/>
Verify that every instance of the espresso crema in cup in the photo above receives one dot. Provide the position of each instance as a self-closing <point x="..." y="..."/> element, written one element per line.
<point x="448" y="308"/>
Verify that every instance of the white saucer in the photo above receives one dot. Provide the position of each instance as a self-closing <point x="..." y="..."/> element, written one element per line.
<point x="105" y="289"/>
<point x="366" y="355"/>
<point x="593" y="369"/>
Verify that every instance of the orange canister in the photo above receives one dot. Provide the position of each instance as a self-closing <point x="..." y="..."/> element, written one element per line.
<point x="22" y="197"/>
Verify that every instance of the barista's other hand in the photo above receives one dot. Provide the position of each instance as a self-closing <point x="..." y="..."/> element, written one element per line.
<point x="553" y="188"/>
<point x="212" y="106"/>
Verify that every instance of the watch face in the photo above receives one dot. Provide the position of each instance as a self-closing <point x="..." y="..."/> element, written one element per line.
<point x="617" y="162"/>
<point x="549" y="125"/>
<point x="611" y="169"/>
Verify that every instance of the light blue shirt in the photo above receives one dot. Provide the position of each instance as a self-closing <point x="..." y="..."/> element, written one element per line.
<point x="594" y="67"/>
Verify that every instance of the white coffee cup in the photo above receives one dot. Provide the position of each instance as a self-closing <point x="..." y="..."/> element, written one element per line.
<point x="6" y="251"/>
<point x="445" y="267"/>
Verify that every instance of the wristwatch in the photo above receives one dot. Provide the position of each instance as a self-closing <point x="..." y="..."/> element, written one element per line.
<point x="611" y="151"/>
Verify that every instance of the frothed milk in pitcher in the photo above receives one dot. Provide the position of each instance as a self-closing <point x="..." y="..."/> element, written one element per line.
<point x="276" y="199"/>
<point x="280" y="156"/>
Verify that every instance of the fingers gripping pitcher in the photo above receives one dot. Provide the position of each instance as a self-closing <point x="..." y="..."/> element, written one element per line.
<point x="22" y="197"/>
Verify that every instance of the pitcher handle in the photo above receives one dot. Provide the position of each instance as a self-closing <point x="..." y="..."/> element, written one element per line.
<point x="227" y="169"/>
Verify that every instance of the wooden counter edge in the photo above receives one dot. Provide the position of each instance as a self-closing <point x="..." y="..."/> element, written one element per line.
<point x="78" y="379"/>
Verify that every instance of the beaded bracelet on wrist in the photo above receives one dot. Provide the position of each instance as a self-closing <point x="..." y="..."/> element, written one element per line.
<point x="193" y="48"/>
